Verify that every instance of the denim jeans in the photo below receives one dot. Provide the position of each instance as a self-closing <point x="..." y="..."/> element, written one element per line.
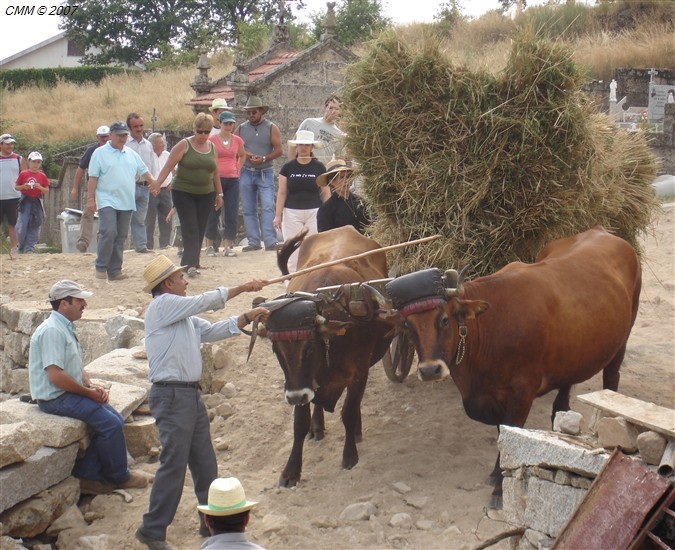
<point x="230" y="207"/>
<point x="138" y="231"/>
<point x="106" y="457"/>
<point x="27" y="235"/>
<point x="193" y="213"/>
<point x="113" y="228"/>
<point x="254" y="186"/>
<point x="158" y="209"/>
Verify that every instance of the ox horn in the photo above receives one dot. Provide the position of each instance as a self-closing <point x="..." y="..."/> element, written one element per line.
<point x="257" y="329"/>
<point x="454" y="282"/>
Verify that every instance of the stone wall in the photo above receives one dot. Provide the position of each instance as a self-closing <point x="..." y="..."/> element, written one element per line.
<point x="547" y="474"/>
<point x="38" y="451"/>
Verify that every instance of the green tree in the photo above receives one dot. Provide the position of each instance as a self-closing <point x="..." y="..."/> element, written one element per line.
<point x="357" y="20"/>
<point x="133" y="31"/>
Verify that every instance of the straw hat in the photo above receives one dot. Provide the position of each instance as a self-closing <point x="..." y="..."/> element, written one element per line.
<point x="304" y="137"/>
<point x="226" y="498"/>
<point x="157" y="270"/>
<point x="332" y="168"/>
<point x="219" y="103"/>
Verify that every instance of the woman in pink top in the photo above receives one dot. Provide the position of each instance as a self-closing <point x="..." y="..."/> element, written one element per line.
<point x="231" y="157"/>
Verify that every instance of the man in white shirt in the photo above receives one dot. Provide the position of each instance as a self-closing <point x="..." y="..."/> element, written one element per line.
<point x="143" y="147"/>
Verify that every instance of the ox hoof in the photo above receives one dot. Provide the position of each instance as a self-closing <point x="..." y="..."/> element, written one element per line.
<point x="349" y="464"/>
<point x="495" y="502"/>
<point x="287" y="483"/>
<point x="316" y="436"/>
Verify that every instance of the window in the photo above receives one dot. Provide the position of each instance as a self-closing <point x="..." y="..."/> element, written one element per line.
<point x="74" y="49"/>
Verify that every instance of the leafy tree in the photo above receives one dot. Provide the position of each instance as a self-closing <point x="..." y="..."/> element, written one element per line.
<point x="448" y="15"/>
<point x="356" y="20"/>
<point x="520" y="4"/>
<point x="133" y="31"/>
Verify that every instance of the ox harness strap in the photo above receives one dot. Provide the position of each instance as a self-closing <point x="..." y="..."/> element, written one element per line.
<point x="425" y="304"/>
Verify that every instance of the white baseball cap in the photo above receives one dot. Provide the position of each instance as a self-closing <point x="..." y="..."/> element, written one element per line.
<point x="103" y="131"/>
<point x="34" y="156"/>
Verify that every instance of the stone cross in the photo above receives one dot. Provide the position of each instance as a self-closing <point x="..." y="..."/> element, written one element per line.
<point x="652" y="73"/>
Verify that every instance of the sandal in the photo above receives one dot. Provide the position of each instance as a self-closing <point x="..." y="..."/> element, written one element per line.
<point x="229" y="253"/>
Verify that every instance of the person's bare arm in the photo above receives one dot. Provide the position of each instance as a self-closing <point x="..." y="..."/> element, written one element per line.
<point x="79" y="174"/>
<point x="252" y="286"/>
<point x="282" y="192"/>
<point x="275" y="138"/>
<point x="175" y="155"/>
<point x="91" y="194"/>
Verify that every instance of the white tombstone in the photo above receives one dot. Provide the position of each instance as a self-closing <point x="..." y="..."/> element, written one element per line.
<point x="612" y="90"/>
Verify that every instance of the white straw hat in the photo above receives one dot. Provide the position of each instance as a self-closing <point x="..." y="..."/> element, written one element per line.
<point x="226" y="498"/>
<point x="304" y="137"/>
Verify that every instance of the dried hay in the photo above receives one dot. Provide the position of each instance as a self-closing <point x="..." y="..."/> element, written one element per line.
<point x="498" y="166"/>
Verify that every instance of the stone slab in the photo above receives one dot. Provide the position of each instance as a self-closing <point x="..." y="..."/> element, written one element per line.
<point x="550" y="505"/>
<point x="45" y="468"/>
<point x="649" y="415"/>
<point x="49" y="430"/>
<point x="16" y="443"/>
<point x="520" y="447"/>
<point x="120" y="365"/>
<point x="24" y="316"/>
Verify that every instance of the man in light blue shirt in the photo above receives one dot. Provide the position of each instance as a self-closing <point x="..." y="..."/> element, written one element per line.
<point x="60" y="386"/>
<point x="173" y="334"/>
<point x="112" y="188"/>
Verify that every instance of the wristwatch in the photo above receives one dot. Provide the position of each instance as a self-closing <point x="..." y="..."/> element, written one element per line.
<point x="264" y="158"/>
<point x="220" y="194"/>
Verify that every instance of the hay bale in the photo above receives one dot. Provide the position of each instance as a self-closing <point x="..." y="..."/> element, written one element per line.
<point x="498" y="166"/>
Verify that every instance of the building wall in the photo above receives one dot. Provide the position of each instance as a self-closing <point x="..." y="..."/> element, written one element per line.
<point x="51" y="55"/>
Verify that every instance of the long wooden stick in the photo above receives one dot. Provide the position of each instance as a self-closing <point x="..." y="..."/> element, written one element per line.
<point x="350" y="258"/>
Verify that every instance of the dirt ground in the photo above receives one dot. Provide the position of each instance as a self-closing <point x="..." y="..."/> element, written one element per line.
<point x="414" y="433"/>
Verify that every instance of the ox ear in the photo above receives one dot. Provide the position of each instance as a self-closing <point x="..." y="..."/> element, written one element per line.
<point x="334" y="328"/>
<point x="472" y="308"/>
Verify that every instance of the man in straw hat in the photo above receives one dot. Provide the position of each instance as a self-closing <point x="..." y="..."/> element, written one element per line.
<point x="256" y="181"/>
<point x="60" y="386"/>
<point x="173" y="334"/>
<point x="227" y="514"/>
<point x="343" y="207"/>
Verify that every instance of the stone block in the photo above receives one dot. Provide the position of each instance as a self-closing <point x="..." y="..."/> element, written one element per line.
<point x="72" y="518"/>
<point x="141" y="435"/>
<point x="16" y="347"/>
<point x="24" y="317"/>
<point x="94" y="339"/>
<point x="45" y="468"/>
<point x="514" y="500"/>
<point x="8" y="543"/>
<point x="617" y="432"/>
<point x="651" y="446"/>
<point x="20" y="382"/>
<point x="31" y="517"/>
<point x="550" y="505"/>
<point x="17" y="443"/>
<point x="124" y="398"/>
<point x="222" y="357"/>
<point x="520" y="447"/>
<point x="49" y="430"/>
<point x="568" y="422"/>
<point x="120" y="365"/>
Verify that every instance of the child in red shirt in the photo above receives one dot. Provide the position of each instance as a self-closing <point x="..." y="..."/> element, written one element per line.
<point x="33" y="184"/>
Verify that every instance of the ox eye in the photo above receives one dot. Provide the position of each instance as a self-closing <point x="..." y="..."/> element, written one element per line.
<point x="444" y="321"/>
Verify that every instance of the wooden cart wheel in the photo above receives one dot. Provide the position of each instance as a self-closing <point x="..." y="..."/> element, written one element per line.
<point x="398" y="358"/>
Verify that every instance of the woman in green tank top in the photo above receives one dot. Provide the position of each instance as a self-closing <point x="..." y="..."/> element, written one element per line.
<point x="195" y="189"/>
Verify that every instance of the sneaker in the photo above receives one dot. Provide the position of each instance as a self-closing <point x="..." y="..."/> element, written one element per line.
<point x="135" y="481"/>
<point x="251" y="248"/>
<point x="229" y="253"/>
<point x="193" y="272"/>
<point x="100" y="274"/>
<point x="153" y="544"/>
<point x="81" y="247"/>
<point x="118" y="277"/>
<point x="210" y="251"/>
<point x="143" y="251"/>
<point x="95" y="487"/>
<point x="273" y="247"/>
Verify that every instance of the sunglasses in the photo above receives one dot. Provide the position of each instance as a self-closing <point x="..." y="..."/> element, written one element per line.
<point x="202" y="132"/>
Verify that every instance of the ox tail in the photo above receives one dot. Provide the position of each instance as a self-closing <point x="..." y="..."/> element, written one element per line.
<point x="289" y="246"/>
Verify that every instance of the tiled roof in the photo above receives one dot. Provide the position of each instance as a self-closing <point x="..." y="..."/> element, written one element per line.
<point x="224" y="91"/>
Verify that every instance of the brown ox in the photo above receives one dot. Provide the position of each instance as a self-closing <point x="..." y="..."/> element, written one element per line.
<point x="323" y="352"/>
<point x="529" y="328"/>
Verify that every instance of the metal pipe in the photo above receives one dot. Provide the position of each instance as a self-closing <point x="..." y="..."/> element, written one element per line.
<point x="667" y="464"/>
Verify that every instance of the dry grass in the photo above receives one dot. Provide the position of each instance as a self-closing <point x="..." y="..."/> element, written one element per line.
<point x="70" y="112"/>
